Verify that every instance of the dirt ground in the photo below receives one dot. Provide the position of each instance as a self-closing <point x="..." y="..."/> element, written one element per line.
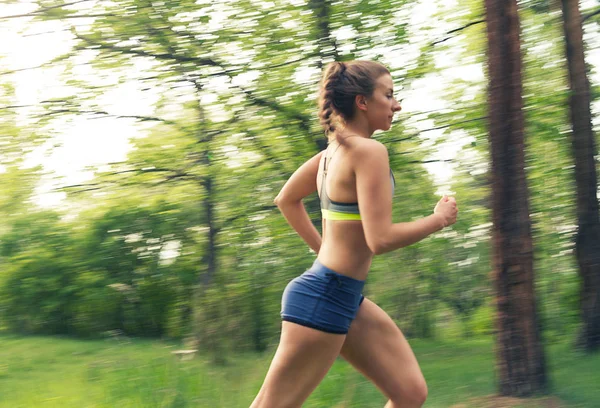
<point x="509" y="402"/>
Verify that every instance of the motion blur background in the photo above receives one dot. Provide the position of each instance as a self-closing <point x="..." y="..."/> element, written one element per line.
<point x="142" y="144"/>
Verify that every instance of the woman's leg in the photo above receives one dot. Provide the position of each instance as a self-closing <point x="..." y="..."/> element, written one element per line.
<point x="376" y="347"/>
<point x="302" y="359"/>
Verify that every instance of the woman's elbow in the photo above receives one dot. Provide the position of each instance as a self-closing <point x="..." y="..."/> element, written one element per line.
<point x="279" y="200"/>
<point x="377" y="246"/>
<point x="379" y="249"/>
<point x="282" y="200"/>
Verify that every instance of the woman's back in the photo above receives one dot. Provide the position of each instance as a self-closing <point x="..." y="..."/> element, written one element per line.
<point x="344" y="247"/>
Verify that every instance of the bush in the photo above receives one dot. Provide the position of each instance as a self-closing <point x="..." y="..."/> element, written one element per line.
<point x="96" y="309"/>
<point x="482" y="321"/>
<point x="38" y="293"/>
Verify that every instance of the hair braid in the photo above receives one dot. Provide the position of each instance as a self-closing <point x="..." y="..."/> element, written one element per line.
<point x="328" y="108"/>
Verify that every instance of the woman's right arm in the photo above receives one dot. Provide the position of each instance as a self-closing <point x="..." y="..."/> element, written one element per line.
<point x="375" y="201"/>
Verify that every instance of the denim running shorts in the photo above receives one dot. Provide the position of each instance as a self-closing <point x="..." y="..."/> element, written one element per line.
<point x="322" y="299"/>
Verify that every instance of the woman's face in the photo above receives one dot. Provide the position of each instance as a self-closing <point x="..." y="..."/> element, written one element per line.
<point x="382" y="105"/>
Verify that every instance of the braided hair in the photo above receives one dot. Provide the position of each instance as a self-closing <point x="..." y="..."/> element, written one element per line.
<point x="340" y="84"/>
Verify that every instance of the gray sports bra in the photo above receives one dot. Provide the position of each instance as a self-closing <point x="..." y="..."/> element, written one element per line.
<point x="335" y="210"/>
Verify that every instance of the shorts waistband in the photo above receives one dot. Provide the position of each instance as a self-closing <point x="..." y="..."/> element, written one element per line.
<point x="319" y="269"/>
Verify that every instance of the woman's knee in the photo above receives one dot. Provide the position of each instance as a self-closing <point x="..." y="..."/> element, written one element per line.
<point x="420" y="392"/>
<point x="412" y="393"/>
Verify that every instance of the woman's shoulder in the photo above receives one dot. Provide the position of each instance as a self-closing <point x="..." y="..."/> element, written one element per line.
<point x="368" y="147"/>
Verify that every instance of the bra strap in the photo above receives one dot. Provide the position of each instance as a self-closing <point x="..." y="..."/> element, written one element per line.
<point x="325" y="161"/>
<point x="323" y="179"/>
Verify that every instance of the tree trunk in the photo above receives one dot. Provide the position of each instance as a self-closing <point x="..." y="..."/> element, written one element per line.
<point x="520" y="356"/>
<point x="208" y="320"/>
<point x="584" y="151"/>
<point x="327" y="44"/>
<point x="210" y="253"/>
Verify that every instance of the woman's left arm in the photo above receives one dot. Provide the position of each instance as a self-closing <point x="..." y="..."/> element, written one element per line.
<point x="289" y="200"/>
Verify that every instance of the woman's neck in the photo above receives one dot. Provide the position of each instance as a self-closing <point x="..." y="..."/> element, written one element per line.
<point x="357" y="128"/>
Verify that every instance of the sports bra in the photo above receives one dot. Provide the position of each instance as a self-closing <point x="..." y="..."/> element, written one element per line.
<point x="334" y="210"/>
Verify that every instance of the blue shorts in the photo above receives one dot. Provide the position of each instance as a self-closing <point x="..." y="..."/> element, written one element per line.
<point x="322" y="299"/>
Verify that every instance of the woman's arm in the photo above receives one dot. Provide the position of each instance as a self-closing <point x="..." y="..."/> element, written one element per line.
<point x="374" y="192"/>
<point x="289" y="200"/>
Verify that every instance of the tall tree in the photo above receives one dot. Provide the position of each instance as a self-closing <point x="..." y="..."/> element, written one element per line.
<point x="520" y="355"/>
<point x="584" y="152"/>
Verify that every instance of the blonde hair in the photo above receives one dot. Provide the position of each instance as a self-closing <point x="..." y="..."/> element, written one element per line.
<point x="340" y="84"/>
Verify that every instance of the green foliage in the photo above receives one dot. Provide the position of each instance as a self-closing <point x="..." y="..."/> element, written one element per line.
<point x="38" y="293"/>
<point x="62" y="278"/>
<point x="482" y="322"/>
<point x="235" y="115"/>
<point x="96" y="309"/>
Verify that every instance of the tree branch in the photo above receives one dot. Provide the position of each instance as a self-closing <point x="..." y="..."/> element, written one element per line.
<point x="100" y="186"/>
<point x="431" y="161"/>
<point x="453" y="124"/>
<point x="99" y="114"/>
<point x="590" y="15"/>
<point x="244" y="214"/>
<point x="164" y="56"/>
<point x="147" y="170"/>
<point x="472" y="23"/>
<point x="46" y="32"/>
<point x="43" y="10"/>
<point x="303" y="120"/>
<point x="92" y="187"/>
<point x="51" y="62"/>
<point x="414" y="135"/>
<point x="106" y="114"/>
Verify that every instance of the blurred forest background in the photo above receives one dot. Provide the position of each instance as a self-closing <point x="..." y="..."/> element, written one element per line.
<point x="142" y="144"/>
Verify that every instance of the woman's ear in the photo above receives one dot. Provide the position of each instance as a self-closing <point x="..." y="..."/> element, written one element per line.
<point x="361" y="102"/>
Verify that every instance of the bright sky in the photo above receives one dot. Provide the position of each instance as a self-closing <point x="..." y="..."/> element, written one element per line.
<point x="93" y="142"/>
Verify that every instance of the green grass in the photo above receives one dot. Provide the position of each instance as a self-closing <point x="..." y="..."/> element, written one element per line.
<point x="57" y="372"/>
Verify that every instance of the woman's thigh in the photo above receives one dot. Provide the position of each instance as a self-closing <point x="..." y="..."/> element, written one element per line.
<point x="376" y="347"/>
<point x="302" y="359"/>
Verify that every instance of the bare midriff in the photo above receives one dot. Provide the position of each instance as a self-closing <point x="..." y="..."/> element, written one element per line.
<point x="344" y="248"/>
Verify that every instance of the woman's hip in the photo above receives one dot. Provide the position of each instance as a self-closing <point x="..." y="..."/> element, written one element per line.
<point x="322" y="299"/>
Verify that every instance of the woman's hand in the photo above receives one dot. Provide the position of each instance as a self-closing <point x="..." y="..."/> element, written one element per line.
<point x="447" y="209"/>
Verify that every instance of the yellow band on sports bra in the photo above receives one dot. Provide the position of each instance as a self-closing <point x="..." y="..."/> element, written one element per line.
<point x="339" y="216"/>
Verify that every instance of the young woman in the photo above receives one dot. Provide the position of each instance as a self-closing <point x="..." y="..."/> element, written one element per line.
<point x="324" y="314"/>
